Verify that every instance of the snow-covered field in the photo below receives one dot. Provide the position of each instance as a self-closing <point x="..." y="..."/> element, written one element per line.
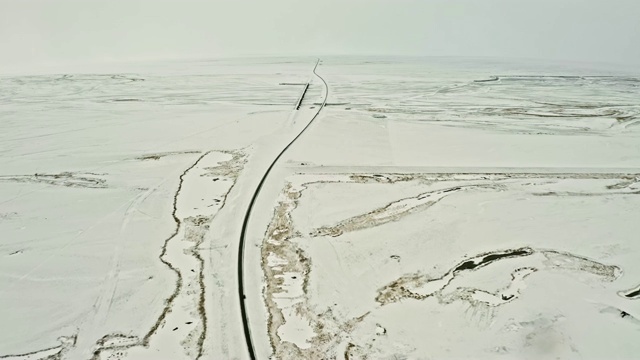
<point x="436" y="208"/>
<point x="455" y="266"/>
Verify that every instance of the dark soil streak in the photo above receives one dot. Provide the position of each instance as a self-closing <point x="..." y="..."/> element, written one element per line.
<point x="171" y="299"/>
<point x="201" y="303"/>
<point x="471" y="264"/>
<point x="632" y="294"/>
<point x="35" y="352"/>
<point x="66" y="343"/>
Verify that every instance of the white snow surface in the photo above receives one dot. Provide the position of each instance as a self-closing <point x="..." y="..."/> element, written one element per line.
<point x="436" y="208"/>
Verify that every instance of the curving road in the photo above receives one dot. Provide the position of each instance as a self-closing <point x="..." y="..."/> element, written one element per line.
<point x="247" y="216"/>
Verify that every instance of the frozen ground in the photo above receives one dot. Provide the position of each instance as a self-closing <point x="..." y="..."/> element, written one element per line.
<point x="435" y="212"/>
<point x="507" y="265"/>
<point x="108" y="180"/>
<point x="434" y="209"/>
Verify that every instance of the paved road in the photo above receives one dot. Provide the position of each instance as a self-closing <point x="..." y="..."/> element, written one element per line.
<point x="247" y="217"/>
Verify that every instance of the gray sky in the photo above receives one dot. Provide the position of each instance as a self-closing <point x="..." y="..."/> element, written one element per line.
<point x="49" y="32"/>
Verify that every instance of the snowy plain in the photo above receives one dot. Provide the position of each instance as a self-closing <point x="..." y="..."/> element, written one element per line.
<point x="436" y="208"/>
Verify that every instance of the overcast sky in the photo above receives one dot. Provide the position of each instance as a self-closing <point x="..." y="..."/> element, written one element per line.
<point x="41" y="32"/>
